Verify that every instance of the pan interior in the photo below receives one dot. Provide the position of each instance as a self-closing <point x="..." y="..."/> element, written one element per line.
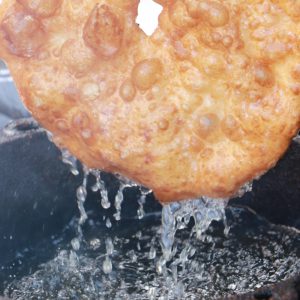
<point x="122" y="261"/>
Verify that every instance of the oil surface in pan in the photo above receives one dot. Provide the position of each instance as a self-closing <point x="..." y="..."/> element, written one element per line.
<point x="125" y="260"/>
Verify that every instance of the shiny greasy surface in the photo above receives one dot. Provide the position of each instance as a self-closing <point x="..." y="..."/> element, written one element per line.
<point x="207" y="103"/>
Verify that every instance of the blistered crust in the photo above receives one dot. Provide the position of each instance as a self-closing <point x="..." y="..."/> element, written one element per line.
<point x="207" y="103"/>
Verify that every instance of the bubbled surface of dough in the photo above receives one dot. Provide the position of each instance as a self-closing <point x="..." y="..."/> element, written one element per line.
<point x="210" y="101"/>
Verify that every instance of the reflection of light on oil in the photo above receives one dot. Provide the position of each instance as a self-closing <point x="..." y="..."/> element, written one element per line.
<point x="148" y="13"/>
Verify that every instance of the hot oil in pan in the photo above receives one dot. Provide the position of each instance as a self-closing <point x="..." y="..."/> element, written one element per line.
<point x="197" y="253"/>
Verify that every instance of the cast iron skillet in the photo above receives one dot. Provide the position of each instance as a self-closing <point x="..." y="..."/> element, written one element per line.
<point x="37" y="195"/>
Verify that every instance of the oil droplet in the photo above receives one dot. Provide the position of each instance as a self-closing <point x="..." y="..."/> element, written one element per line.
<point x="107" y="265"/>
<point x="108" y="223"/>
<point x="95" y="244"/>
<point x="109" y="246"/>
<point x="152" y="253"/>
<point x="75" y="244"/>
<point x="141" y="202"/>
<point x="70" y="160"/>
<point x="118" y="202"/>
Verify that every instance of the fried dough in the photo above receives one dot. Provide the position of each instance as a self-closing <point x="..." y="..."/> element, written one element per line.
<point x="207" y="103"/>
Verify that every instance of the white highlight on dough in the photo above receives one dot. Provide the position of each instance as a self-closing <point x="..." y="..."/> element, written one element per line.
<point x="148" y="13"/>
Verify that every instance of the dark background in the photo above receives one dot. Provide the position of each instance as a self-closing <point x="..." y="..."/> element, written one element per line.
<point x="10" y="105"/>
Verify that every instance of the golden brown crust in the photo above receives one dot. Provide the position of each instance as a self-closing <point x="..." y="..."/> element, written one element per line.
<point x="207" y="103"/>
